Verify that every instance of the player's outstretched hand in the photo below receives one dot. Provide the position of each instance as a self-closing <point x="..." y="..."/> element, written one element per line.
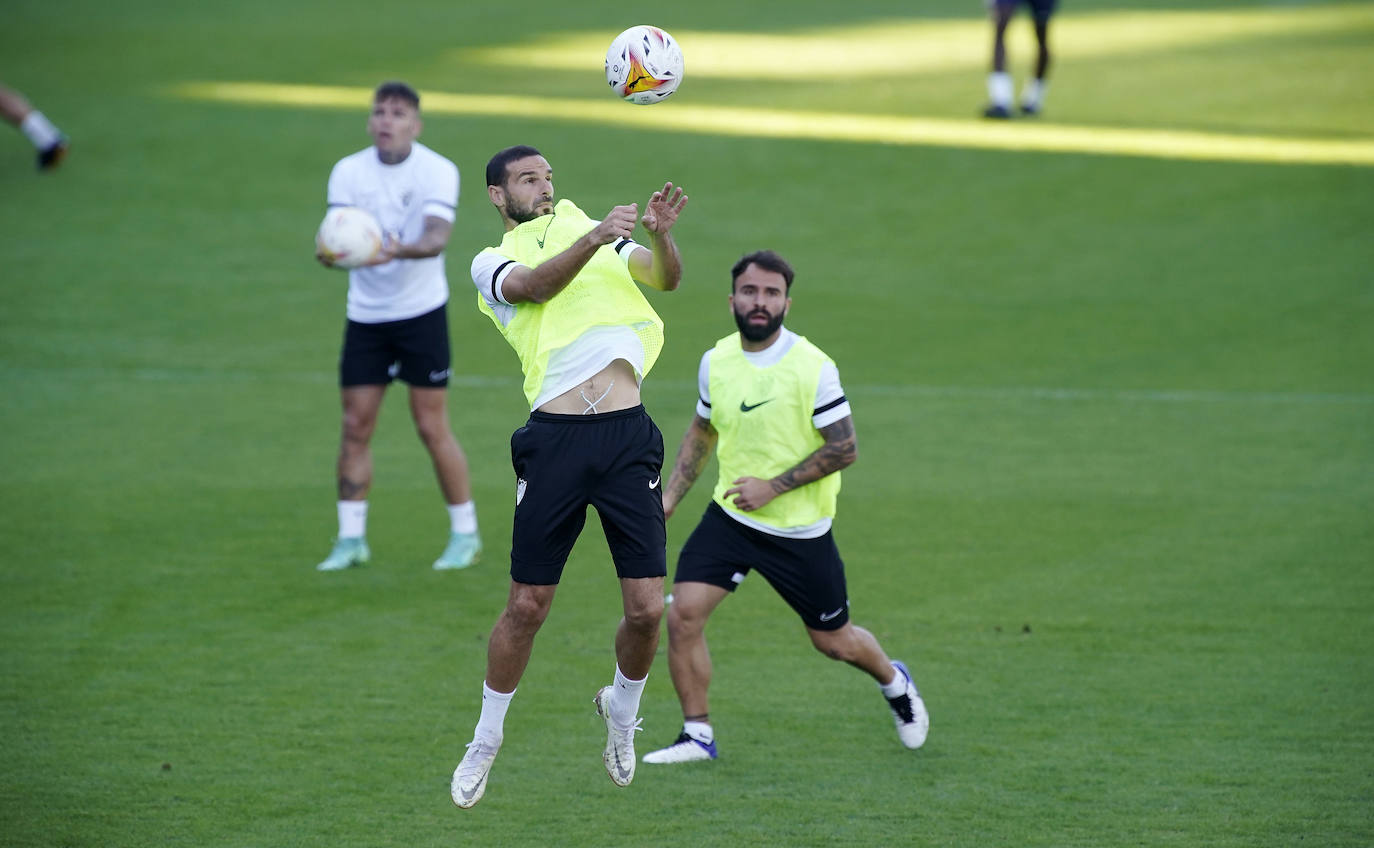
<point x="619" y="223"/>
<point x="661" y="212"/>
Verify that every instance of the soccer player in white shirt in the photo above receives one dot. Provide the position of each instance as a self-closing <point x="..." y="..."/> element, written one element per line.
<point x="397" y="324"/>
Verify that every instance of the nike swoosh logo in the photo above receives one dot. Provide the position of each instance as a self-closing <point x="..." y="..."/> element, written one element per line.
<point x="827" y="616"/>
<point x="744" y="407"/>
<point x="653" y="484"/>
<point x="468" y="796"/>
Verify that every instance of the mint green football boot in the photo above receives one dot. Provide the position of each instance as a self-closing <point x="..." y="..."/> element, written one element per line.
<point x="463" y="550"/>
<point x="346" y="554"/>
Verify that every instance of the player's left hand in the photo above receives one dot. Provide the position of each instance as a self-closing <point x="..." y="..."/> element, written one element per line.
<point x="751" y="493"/>
<point x="661" y="212"/>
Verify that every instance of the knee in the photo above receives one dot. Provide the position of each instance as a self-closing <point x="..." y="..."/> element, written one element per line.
<point x="645" y="615"/>
<point x="526" y="612"/>
<point x="357" y="427"/>
<point x="431" y="432"/>
<point x="831" y="643"/>
<point x="683" y="623"/>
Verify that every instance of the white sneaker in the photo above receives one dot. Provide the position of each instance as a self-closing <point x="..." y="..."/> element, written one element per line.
<point x="909" y="711"/>
<point x="470" y="778"/>
<point x="620" y="743"/>
<point x="684" y="750"/>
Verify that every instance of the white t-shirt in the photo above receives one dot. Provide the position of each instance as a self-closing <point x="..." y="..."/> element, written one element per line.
<point x="401" y="196"/>
<point x="830" y="406"/>
<point x="588" y="354"/>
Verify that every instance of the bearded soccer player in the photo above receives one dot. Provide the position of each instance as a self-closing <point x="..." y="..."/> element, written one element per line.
<point x="772" y="407"/>
<point x="564" y="291"/>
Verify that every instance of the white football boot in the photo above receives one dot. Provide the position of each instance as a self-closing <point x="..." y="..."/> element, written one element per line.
<point x="909" y="711"/>
<point x="620" y="742"/>
<point x="684" y="750"/>
<point x="470" y="778"/>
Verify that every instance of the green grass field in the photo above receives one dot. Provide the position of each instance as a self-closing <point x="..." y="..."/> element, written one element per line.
<point x="1115" y="496"/>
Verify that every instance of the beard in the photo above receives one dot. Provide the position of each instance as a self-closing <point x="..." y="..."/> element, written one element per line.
<point x="758" y="332"/>
<point x="524" y="214"/>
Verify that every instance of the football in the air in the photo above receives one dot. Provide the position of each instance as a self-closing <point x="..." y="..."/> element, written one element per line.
<point x="348" y="236"/>
<point x="644" y="65"/>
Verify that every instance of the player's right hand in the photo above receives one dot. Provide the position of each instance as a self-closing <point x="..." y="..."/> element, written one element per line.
<point x="386" y="253"/>
<point x="619" y="223"/>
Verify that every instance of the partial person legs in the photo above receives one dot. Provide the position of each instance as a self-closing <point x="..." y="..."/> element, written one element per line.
<point x="1000" y="88"/>
<point x="508" y="653"/>
<point x="636" y="640"/>
<point x="1033" y="95"/>
<point x="46" y="138"/>
<point x="858" y="647"/>
<point x="689" y="663"/>
<point x="429" y="408"/>
<point x="360" y="407"/>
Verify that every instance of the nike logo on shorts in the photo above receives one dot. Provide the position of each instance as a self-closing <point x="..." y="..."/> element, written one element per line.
<point x="830" y="616"/>
<point x="653" y="484"/>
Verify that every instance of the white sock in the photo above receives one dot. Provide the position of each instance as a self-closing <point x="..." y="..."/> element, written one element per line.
<point x="40" y="130"/>
<point x="1000" y="89"/>
<point x="625" y="698"/>
<point x="492" y="724"/>
<point x="897" y="687"/>
<point x="462" y="518"/>
<point x="352" y="519"/>
<point x="700" y="731"/>
<point x="1034" y="93"/>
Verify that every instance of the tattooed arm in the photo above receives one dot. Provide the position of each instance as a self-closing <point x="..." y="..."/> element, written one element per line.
<point x="696" y="447"/>
<point x="840" y="450"/>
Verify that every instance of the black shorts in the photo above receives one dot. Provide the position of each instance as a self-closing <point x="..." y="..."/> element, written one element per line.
<point x="565" y="463"/>
<point x="414" y="349"/>
<point x="1040" y="9"/>
<point x="807" y="573"/>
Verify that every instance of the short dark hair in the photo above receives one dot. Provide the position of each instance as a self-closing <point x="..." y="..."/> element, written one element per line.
<point x="496" y="168"/>
<point x="398" y="90"/>
<point x="768" y="260"/>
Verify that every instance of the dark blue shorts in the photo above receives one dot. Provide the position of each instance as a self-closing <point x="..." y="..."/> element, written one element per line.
<point x="1040" y="9"/>
<point x="807" y="573"/>
<point x="414" y="349"/>
<point x="565" y="463"/>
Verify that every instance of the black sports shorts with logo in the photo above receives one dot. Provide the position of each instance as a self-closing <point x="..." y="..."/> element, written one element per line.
<point x="414" y="349"/>
<point x="564" y="463"/>
<point x="807" y="573"/>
